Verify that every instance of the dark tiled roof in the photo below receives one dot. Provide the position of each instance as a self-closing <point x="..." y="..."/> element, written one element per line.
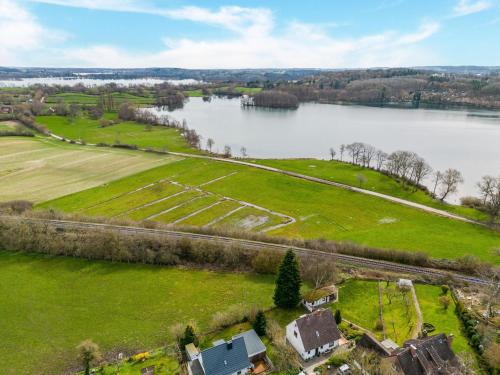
<point x="226" y="358"/>
<point x="423" y="356"/>
<point x="317" y="329"/>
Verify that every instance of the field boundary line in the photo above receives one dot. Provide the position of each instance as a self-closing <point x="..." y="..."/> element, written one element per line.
<point x="197" y="212"/>
<point x="227" y="214"/>
<point x="174" y="207"/>
<point x="217" y="179"/>
<point x="152" y="203"/>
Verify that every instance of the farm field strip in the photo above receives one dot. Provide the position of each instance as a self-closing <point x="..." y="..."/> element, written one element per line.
<point x="38" y="169"/>
<point x="173" y="205"/>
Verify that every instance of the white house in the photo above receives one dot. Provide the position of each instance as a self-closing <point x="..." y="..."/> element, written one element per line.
<point x="318" y="297"/>
<point x="313" y="334"/>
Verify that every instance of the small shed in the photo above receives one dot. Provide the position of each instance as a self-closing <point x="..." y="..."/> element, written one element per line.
<point x="404" y="283"/>
<point x="318" y="297"/>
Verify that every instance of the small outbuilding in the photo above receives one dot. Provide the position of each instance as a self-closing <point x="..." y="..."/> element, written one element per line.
<point x="316" y="298"/>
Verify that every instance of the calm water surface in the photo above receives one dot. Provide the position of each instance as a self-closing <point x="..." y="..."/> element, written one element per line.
<point x="467" y="141"/>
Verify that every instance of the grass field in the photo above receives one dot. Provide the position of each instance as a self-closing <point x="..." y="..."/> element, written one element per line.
<point x="128" y="132"/>
<point x="118" y="98"/>
<point x="445" y="321"/>
<point x="347" y="174"/>
<point x="39" y="169"/>
<point x="319" y="210"/>
<point x="50" y="304"/>
<point x="358" y="302"/>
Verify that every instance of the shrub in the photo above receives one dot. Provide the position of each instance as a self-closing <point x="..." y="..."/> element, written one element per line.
<point x="140" y="357"/>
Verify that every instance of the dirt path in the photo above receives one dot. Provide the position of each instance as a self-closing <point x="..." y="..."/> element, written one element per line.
<point x="418" y="327"/>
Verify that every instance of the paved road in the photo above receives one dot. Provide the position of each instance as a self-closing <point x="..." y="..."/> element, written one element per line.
<point x="259" y="245"/>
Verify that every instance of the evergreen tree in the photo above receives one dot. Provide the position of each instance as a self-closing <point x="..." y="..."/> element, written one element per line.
<point x="287" y="292"/>
<point x="188" y="338"/>
<point x="338" y="317"/>
<point x="260" y="324"/>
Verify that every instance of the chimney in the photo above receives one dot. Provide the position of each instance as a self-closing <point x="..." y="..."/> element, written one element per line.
<point x="413" y="351"/>
<point x="449" y="338"/>
<point x="229" y="345"/>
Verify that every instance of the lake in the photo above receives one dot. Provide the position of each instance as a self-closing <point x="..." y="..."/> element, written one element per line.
<point x="466" y="140"/>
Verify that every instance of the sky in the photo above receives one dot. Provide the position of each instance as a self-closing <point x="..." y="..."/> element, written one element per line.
<point x="249" y="34"/>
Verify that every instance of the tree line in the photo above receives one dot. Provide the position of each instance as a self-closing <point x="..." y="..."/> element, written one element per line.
<point x="406" y="166"/>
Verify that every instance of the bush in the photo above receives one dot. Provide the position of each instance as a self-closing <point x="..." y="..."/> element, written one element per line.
<point x="230" y="316"/>
<point x="336" y="360"/>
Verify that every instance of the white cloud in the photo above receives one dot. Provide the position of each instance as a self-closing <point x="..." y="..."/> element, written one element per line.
<point x="21" y="32"/>
<point x="466" y="7"/>
<point x="254" y="43"/>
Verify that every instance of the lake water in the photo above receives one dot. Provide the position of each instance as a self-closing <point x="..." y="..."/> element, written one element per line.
<point x="466" y="140"/>
<point x="90" y="82"/>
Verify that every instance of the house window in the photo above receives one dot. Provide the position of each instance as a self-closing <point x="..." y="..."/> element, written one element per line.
<point x="295" y="333"/>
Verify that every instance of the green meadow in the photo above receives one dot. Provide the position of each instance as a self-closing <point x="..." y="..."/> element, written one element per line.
<point x="51" y="304"/>
<point x="347" y="173"/>
<point x="127" y="132"/>
<point x="320" y="211"/>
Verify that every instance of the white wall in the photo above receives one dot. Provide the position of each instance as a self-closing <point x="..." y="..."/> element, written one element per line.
<point x="296" y="343"/>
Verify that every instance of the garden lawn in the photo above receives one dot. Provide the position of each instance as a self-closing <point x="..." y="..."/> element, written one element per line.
<point x="321" y="211"/>
<point x="50" y="304"/>
<point x="128" y="132"/>
<point x="358" y="303"/>
<point x="400" y="316"/>
<point x="445" y="321"/>
<point x="347" y="173"/>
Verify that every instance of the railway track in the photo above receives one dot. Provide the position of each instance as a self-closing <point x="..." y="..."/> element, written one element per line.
<point x="258" y="245"/>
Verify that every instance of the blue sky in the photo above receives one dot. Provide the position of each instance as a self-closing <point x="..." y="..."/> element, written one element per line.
<point x="244" y="34"/>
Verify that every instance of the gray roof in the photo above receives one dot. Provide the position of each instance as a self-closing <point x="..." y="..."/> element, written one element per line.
<point x="427" y="355"/>
<point x="253" y="342"/>
<point x="226" y="358"/>
<point x="317" y="329"/>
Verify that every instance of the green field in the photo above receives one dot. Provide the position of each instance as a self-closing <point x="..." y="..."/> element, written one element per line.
<point x="128" y="132"/>
<point x="347" y="173"/>
<point x="319" y="210"/>
<point x="50" y="304"/>
<point x="118" y="98"/>
<point x="445" y="321"/>
<point x="39" y="169"/>
<point x="358" y="302"/>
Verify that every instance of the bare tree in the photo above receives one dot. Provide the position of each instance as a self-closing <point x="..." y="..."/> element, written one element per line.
<point x="210" y="144"/>
<point x="449" y="182"/>
<point x="437" y="179"/>
<point x="342" y="150"/>
<point x="227" y="151"/>
<point x="380" y="158"/>
<point x="368" y="154"/>
<point x="420" y="170"/>
<point x="489" y="188"/>
<point x="243" y="151"/>
<point x="332" y="153"/>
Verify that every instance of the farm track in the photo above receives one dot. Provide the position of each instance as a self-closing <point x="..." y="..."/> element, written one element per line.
<point x="258" y="245"/>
